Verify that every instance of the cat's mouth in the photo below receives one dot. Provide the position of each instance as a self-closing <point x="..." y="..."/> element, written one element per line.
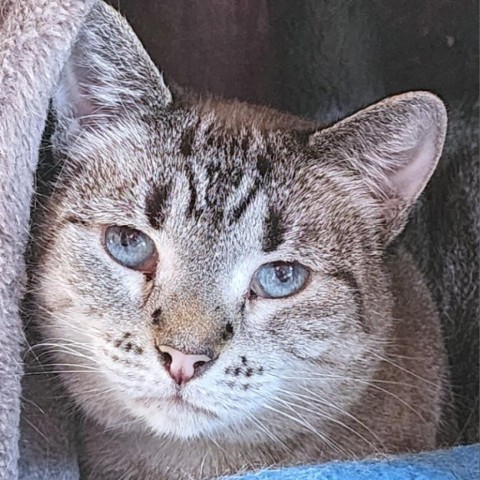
<point x="176" y="402"/>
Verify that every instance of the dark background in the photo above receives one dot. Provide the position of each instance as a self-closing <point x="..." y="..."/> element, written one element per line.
<point x="324" y="59"/>
<point x="312" y="57"/>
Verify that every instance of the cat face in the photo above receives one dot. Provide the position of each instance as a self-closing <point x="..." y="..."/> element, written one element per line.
<point x="202" y="270"/>
<point x="215" y="218"/>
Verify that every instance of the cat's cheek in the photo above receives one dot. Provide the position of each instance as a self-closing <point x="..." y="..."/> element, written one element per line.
<point x="132" y="283"/>
<point x="260" y="312"/>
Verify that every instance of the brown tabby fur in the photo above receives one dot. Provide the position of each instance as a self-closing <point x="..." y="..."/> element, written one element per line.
<point x="350" y="366"/>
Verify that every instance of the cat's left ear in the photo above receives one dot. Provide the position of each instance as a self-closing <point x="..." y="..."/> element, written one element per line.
<point x="108" y="75"/>
<point x="395" y="146"/>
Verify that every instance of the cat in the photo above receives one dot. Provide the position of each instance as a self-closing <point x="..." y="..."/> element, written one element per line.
<point x="219" y="284"/>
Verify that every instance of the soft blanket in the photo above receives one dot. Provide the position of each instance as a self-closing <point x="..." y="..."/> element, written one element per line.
<point x="461" y="463"/>
<point x="35" y="40"/>
<point x="37" y="438"/>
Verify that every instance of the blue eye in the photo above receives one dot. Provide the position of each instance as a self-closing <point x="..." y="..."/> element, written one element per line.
<point x="279" y="279"/>
<point x="131" y="248"/>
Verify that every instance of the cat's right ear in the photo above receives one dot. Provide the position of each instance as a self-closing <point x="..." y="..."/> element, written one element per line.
<point x="108" y="75"/>
<point x="394" y="147"/>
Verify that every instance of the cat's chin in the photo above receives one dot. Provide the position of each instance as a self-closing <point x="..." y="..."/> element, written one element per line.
<point x="175" y="417"/>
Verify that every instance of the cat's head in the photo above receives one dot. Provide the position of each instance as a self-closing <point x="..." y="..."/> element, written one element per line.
<point x="206" y="267"/>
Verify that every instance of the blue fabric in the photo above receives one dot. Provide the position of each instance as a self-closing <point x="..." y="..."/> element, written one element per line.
<point x="460" y="463"/>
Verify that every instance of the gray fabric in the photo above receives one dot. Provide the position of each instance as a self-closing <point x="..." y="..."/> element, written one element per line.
<point x="35" y="39"/>
<point x="47" y="438"/>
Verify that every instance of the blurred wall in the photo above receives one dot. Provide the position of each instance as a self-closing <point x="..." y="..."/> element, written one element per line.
<point x="312" y="57"/>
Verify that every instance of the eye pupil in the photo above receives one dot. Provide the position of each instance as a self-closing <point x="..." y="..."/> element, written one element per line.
<point x="283" y="273"/>
<point x="129" y="239"/>
<point x="124" y="239"/>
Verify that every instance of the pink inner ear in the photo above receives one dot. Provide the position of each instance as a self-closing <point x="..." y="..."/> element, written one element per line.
<point x="72" y="98"/>
<point x="419" y="163"/>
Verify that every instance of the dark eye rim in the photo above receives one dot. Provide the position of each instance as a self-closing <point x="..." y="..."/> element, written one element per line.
<point x="148" y="267"/>
<point x="260" y="292"/>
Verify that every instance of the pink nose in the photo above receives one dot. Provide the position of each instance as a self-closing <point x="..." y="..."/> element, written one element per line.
<point x="181" y="367"/>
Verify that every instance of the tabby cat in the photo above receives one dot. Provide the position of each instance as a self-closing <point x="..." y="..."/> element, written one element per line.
<point x="220" y="282"/>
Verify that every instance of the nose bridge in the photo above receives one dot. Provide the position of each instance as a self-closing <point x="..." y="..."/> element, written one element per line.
<point x="188" y="326"/>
